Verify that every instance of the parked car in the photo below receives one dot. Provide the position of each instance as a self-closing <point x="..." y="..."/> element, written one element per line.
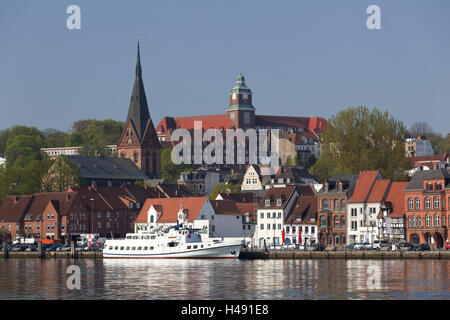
<point x="367" y="246"/>
<point x="31" y="248"/>
<point x="378" y="244"/>
<point x="319" y="247"/>
<point x="422" y="247"/>
<point x="358" y="246"/>
<point x="447" y="247"/>
<point x="351" y="246"/>
<point x="50" y="247"/>
<point x="64" y="247"/>
<point x="406" y="245"/>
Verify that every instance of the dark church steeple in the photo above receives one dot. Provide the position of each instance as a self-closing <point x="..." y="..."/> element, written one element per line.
<point x="139" y="141"/>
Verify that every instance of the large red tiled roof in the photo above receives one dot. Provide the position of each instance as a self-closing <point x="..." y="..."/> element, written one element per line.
<point x="363" y="186"/>
<point x="311" y="123"/>
<point x="396" y="197"/>
<point x="437" y="157"/>
<point x="171" y="207"/>
<point x="379" y="191"/>
<point x="208" y="121"/>
<point x="14" y="208"/>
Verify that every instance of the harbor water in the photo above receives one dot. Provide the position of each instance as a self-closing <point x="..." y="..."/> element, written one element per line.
<point x="225" y="279"/>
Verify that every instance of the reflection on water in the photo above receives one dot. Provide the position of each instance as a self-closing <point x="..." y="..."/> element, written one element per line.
<point x="226" y="279"/>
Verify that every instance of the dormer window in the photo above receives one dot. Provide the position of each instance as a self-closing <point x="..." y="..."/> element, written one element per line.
<point x="278" y="202"/>
<point x="267" y="202"/>
<point x="438" y="186"/>
<point x="325" y="187"/>
<point x="429" y="187"/>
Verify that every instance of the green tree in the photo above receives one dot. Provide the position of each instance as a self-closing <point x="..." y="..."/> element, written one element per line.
<point x="169" y="170"/>
<point x="223" y="187"/>
<point x="22" y="149"/>
<point x="361" y="139"/>
<point x="75" y="139"/>
<point x="443" y="146"/>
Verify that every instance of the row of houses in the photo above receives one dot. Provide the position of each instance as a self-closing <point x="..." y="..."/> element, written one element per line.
<point x="358" y="208"/>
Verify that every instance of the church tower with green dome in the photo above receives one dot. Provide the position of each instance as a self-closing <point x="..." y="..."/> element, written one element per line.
<point x="241" y="110"/>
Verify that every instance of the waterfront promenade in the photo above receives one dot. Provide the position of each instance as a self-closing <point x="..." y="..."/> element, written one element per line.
<point x="271" y="254"/>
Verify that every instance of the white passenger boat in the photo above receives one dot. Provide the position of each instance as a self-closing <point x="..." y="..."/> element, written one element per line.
<point x="171" y="243"/>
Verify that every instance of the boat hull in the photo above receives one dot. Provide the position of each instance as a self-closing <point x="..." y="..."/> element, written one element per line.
<point x="218" y="252"/>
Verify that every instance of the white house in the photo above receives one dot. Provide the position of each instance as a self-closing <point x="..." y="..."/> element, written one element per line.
<point x="253" y="179"/>
<point x="301" y="224"/>
<point x="273" y="211"/>
<point x="364" y="207"/>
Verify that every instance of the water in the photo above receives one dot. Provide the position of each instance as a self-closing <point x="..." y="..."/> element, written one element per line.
<point x="226" y="279"/>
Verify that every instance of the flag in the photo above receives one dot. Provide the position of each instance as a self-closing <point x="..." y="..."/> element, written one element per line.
<point x="282" y="236"/>
<point x="299" y="234"/>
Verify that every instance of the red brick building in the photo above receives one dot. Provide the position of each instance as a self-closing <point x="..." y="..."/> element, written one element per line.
<point x="332" y="209"/>
<point x="427" y="201"/>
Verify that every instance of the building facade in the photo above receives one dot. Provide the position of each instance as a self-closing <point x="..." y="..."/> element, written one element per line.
<point x="427" y="201"/>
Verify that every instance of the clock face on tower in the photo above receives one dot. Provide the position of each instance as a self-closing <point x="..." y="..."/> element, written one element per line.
<point x="130" y="141"/>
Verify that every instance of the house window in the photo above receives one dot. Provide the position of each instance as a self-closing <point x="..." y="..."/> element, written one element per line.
<point x="278" y="202"/>
<point x="288" y="230"/>
<point x="268" y="226"/>
<point x="343" y="221"/>
<point x="268" y="215"/>
<point x="99" y="214"/>
<point x="336" y="204"/>
<point x="429" y="187"/>
<point x="354" y="212"/>
<point x="410" y="203"/>
<point x="428" y="221"/>
<point x="99" y="225"/>
<point x="417" y="203"/>
<point x="436" y="203"/>
<point x="427" y="203"/>
<point x="437" y="220"/>
<point x="262" y="226"/>
<point x="438" y="186"/>
<point x="306" y="229"/>
<point x="325" y="204"/>
<point x="267" y="202"/>
<point x="323" y="221"/>
<point x="336" y="222"/>
<point x="262" y="215"/>
<point x="246" y="117"/>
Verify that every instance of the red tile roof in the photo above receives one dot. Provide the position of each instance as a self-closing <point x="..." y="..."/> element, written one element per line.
<point x="208" y="121"/>
<point x="379" y="191"/>
<point x="396" y="197"/>
<point x="14" y="208"/>
<point x="310" y="123"/>
<point x="362" y="189"/>
<point x="225" y="207"/>
<point x="171" y="207"/>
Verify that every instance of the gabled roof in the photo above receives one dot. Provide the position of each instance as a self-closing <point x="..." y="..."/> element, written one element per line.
<point x="302" y="211"/>
<point x="396" y="199"/>
<point x="416" y="182"/>
<point x="348" y="182"/>
<point x="295" y="174"/>
<point x="238" y="197"/>
<point x="364" y="185"/>
<point x="171" y="207"/>
<point x="14" y="208"/>
<point x="41" y="201"/>
<point x="437" y="157"/>
<point x="310" y="123"/>
<point x="208" y="121"/>
<point x="379" y="191"/>
<point x="107" y="168"/>
<point x="225" y="207"/>
<point x="273" y="194"/>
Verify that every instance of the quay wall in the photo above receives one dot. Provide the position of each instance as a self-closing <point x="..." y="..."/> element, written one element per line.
<point x="247" y="254"/>
<point x="260" y="254"/>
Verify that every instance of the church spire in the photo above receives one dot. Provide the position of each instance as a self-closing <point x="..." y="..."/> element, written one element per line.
<point x="138" y="111"/>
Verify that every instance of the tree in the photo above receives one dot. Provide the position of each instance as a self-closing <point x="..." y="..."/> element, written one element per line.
<point x="443" y="146"/>
<point x="54" y="138"/>
<point x="22" y="149"/>
<point x="61" y="175"/>
<point x="169" y="170"/>
<point x="75" y="139"/>
<point x="223" y="187"/>
<point x="420" y="129"/>
<point x="361" y="139"/>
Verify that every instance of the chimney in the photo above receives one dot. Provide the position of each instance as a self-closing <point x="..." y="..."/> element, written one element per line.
<point x="14" y="199"/>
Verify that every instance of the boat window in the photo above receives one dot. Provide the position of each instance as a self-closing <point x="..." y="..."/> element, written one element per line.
<point x="201" y="246"/>
<point x="188" y="247"/>
<point x="129" y="237"/>
<point x="116" y="248"/>
<point x="152" y="237"/>
<point x="145" y="248"/>
<point x="110" y="248"/>
<point x="135" y="237"/>
<point x="133" y="248"/>
<point x="121" y="248"/>
<point x="195" y="247"/>
<point x="151" y="248"/>
<point x="128" y="248"/>
<point x="139" y="248"/>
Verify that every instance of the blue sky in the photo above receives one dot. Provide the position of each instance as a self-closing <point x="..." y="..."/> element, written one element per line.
<point x="300" y="58"/>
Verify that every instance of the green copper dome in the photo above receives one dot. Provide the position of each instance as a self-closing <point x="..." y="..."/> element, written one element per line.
<point x="240" y="86"/>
